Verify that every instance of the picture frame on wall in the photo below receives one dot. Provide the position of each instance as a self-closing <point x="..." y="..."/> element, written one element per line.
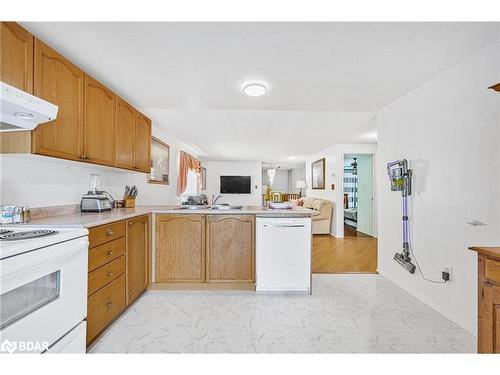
<point x="160" y="159"/>
<point x="203" y="178"/>
<point x="318" y="174"/>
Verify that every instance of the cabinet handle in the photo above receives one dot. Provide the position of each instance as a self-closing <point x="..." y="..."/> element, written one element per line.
<point x="108" y="304"/>
<point x="110" y="252"/>
<point x="110" y="274"/>
<point x="109" y="232"/>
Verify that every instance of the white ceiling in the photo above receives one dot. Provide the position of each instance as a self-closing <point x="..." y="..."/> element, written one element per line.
<point x="269" y="136"/>
<point x="200" y="67"/>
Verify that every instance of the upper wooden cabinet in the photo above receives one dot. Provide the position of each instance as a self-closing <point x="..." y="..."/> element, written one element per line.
<point x="93" y="125"/>
<point x="180" y="248"/>
<point x="137" y="256"/>
<point x="16" y="56"/>
<point x="126" y="116"/>
<point x="230" y="248"/>
<point x="133" y="138"/>
<point x="60" y="82"/>
<point x="99" y="123"/>
<point x="143" y="143"/>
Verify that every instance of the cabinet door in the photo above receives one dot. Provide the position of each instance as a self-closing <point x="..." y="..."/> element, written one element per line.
<point x="180" y="248"/>
<point x="125" y="134"/>
<point x="230" y="248"/>
<point x="99" y="134"/>
<point x="489" y="319"/>
<point x="143" y="143"/>
<point x="16" y="56"/>
<point x="137" y="256"/>
<point x="60" y="82"/>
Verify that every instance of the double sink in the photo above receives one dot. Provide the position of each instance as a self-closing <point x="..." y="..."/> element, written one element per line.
<point x="206" y="207"/>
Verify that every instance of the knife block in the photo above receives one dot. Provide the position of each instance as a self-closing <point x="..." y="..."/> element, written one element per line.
<point x="129" y="203"/>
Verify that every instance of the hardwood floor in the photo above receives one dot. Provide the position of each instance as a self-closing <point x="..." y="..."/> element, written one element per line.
<point x="344" y="255"/>
<point x="352" y="232"/>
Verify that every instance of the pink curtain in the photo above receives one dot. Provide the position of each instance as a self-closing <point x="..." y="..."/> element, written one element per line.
<point x="187" y="162"/>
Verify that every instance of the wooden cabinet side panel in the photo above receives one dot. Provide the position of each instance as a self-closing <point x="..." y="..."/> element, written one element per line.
<point x="16" y="56"/>
<point x="99" y="123"/>
<point x="497" y="329"/>
<point x="180" y="248"/>
<point x="485" y="311"/>
<point x="137" y="256"/>
<point x="231" y="248"/>
<point x="60" y="82"/>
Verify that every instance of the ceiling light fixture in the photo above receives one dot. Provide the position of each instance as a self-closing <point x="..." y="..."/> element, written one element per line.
<point x="254" y="89"/>
<point x="291" y="157"/>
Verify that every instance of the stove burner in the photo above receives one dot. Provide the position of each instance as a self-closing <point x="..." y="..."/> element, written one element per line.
<point x="5" y="231"/>
<point x="26" y="235"/>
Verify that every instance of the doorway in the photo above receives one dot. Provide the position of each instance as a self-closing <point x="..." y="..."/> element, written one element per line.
<point x="356" y="250"/>
<point x="358" y="195"/>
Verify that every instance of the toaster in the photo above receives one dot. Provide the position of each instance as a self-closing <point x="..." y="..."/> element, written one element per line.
<point x="95" y="202"/>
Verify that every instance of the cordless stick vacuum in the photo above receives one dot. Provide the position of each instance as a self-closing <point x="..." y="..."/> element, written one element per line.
<point x="400" y="177"/>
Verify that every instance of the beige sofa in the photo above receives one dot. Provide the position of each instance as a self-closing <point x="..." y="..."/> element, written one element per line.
<point x="322" y="215"/>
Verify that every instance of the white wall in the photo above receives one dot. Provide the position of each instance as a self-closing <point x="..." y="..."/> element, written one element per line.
<point x="449" y="130"/>
<point x="365" y="194"/>
<point x="334" y="174"/>
<point x="40" y="181"/>
<point x="215" y="169"/>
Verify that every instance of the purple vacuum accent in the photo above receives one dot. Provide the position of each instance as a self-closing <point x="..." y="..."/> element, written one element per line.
<point x="406" y="237"/>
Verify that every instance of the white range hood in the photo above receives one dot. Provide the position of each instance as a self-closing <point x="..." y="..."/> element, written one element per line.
<point x="22" y="111"/>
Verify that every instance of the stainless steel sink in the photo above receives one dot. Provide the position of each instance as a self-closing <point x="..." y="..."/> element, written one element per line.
<point x="193" y="207"/>
<point x="225" y="207"/>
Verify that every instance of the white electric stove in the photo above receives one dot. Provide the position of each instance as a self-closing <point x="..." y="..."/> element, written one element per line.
<point x="43" y="289"/>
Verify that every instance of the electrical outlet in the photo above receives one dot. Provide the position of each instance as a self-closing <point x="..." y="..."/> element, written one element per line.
<point x="449" y="270"/>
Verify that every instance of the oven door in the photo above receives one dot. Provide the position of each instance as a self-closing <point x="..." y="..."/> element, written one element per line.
<point x="43" y="295"/>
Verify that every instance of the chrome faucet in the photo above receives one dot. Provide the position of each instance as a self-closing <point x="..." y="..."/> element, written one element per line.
<point x="215" y="198"/>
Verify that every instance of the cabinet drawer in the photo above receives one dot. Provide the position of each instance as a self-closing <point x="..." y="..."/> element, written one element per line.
<point x="103" y="275"/>
<point x="492" y="270"/>
<point x="106" y="233"/>
<point x="100" y="255"/>
<point x="104" y="305"/>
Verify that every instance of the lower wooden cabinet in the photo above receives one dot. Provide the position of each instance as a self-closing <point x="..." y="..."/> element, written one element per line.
<point x="180" y="248"/>
<point x="104" y="306"/>
<point x="488" y="304"/>
<point x="119" y="255"/>
<point x="230" y="248"/>
<point x="137" y="256"/>
<point x="192" y="248"/>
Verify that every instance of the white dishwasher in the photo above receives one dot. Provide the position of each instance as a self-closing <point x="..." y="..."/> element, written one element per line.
<point x="283" y="254"/>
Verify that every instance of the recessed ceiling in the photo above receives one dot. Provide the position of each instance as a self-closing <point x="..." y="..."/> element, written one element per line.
<point x="189" y="76"/>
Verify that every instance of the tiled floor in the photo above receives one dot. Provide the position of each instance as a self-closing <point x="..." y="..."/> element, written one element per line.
<point x="345" y="314"/>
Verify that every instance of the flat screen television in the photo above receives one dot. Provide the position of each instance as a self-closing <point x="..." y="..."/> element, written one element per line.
<point x="235" y="184"/>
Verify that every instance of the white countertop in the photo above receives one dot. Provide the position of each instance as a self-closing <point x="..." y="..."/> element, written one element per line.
<point x="90" y="219"/>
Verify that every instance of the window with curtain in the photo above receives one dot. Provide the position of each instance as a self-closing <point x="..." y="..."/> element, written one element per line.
<point x="189" y="179"/>
<point x="192" y="183"/>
